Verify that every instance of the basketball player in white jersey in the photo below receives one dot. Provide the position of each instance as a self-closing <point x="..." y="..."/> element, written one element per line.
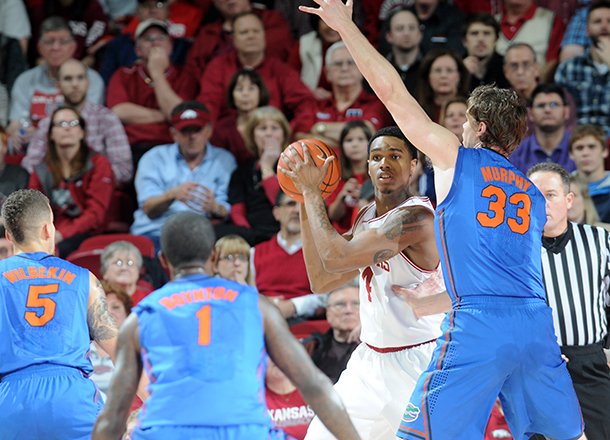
<point x="392" y="242"/>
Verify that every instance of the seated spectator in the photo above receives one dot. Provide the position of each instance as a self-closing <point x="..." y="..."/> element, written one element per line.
<point x="12" y="177"/>
<point x="442" y="76"/>
<point x="6" y="246"/>
<point x="78" y="182"/>
<point x="246" y="93"/>
<point x="15" y="23"/>
<point x="119" y="306"/>
<point x="481" y="33"/>
<point x="441" y="24"/>
<point x="35" y="90"/>
<point x="587" y="76"/>
<point x="403" y="34"/>
<point x="337" y="344"/>
<point x="287" y="409"/>
<point x="105" y="133"/>
<point x="144" y="95"/>
<point x="183" y="17"/>
<point x="345" y="202"/>
<point x="120" y="266"/>
<point x="86" y="18"/>
<point x="121" y="50"/>
<point x="453" y="115"/>
<point x="188" y="175"/>
<point x="308" y="54"/>
<point x="522" y="21"/>
<point x="549" y="113"/>
<point x="583" y="209"/>
<point x="279" y="268"/>
<point x="286" y="91"/>
<point x="588" y="150"/>
<point x="575" y="39"/>
<point x="232" y="259"/>
<point x="12" y="64"/>
<point x="253" y="187"/>
<point x="216" y="38"/>
<point x="349" y="100"/>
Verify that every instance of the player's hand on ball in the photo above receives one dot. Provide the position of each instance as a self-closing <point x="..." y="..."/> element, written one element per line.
<point x="304" y="172"/>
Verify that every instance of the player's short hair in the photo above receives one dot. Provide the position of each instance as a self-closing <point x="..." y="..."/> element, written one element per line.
<point x="504" y="114"/>
<point x="394" y="131"/>
<point x="585" y="130"/>
<point x="552" y="167"/>
<point x="23" y="211"/>
<point x="187" y="238"/>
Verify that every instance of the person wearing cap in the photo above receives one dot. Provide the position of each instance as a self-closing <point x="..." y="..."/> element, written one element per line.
<point x="144" y="94"/>
<point x="188" y="175"/>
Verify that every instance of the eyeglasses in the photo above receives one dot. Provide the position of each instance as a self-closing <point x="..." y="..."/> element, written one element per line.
<point x="346" y="63"/>
<point x="52" y="41"/>
<point x="232" y="258"/>
<point x="552" y="105"/>
<point x="67" y="124"/>
<point x="290" y="204"/>
<point x="342" y="305"/>
<point x="121" y="263"/>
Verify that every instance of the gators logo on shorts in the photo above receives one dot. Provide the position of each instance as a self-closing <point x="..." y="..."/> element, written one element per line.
<point x="411" y="413"/>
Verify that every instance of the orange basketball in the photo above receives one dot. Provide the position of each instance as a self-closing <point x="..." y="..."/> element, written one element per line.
<point x="319" y="152"/>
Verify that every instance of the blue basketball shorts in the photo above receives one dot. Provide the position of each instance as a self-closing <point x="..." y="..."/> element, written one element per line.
<point x="490" y="347"/>
<point x="232" y="432"/>
<point x="48" y="402"/>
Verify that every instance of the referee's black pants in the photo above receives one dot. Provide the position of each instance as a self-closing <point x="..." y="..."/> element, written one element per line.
<point x="590" y="374"/>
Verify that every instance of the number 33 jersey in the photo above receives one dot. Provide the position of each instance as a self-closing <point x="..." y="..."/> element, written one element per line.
<point x="489" y="229"/>
<point x="43" y="313"/>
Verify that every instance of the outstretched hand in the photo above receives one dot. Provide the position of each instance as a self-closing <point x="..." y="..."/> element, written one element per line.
<point x="334" y="13"/>
<point x="305" y="174"/>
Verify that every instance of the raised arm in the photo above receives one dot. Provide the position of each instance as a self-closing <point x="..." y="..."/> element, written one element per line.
<point x="128" y="369"/>
<point x="290" y="356"/>
<point x="102" y="327"/>
<point x="435" y="141"/>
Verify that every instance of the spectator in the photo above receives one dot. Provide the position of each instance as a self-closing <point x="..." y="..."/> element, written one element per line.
<point x="121" y="265"/>
<point x="549" y="113"/>
<point x="144" y="95"/>
<point x="308" y="54"/>
<point x="77" y="181"/>
<point x="15" y="23"/>
<point x="522" y="21"/>
<point x="12" y="64"/>
<point x="6" y="247"/>
<point x="587" y="76"/>
<point x="453" y="115"/>
<point x="183" y="17"/>
<point x="481" y="33"/>
<point x="254" y="186"/>
<point x="232" y="259"/>
<point x="278" y="266"/>
<point x="286" y="91"/>
<point x="121" y="50"/>
<point x="442" y="76"/>
<point x="345" y="202"/>
<point x="246" y="93"/>
<point x="287" y="409"/>
<point x="583" y="209"/>
<point x="349" y="100"/>
<point x="188" y="175"/>
<point x="105" y="133"/>
<point x="403" y="34"/>
<point x="86" y="19"/>
<point x="588" y="149"/>
<point x="338" y="343"/>
<point x="35" y="90"/>
<point x="12" y="177"/>
<point x="442" y="25"/>
<point x="575" y="38"/>
<point x="576" y="268"/>
<point x="215" y="38"/>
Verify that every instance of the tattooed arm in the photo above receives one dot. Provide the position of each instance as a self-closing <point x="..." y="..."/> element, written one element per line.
<point x="128" y="369"/>
<point x="102" y="327"/>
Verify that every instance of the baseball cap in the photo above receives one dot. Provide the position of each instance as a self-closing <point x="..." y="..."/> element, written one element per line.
<point x="190" y="117"/>
<point x="151" y="22"/>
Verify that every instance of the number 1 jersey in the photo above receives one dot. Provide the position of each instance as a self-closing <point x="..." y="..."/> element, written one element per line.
<point x="489" y="229"/>
<point x="43" y="313"/>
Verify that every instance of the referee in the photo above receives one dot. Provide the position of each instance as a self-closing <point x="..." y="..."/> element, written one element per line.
<point x="576" y="271"/>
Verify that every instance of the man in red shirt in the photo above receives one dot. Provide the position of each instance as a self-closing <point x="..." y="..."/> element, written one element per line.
<point x="144" y="94"/>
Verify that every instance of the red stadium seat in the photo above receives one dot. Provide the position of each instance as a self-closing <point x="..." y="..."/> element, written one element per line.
<point x="120" y="213"/>
<point x="144" y="244"/>
<point x="89" y="259"/>
<point x="305" y="329"/>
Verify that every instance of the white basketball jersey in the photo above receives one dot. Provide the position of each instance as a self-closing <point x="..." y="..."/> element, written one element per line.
<point x="387" y="320"/>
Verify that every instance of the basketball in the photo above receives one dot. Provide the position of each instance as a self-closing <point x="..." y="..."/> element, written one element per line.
<point x="319" y="152"/>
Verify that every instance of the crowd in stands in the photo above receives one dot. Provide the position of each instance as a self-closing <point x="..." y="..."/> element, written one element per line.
<point x="125" y="112"/>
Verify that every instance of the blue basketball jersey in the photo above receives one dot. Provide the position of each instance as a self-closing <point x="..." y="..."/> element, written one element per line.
<point x="43" y="313"/>
<point x="489" y="229"/>
<point x="203" y="349"/>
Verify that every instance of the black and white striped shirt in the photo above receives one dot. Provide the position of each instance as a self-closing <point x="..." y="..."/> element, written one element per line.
<point x="576" y="272"/>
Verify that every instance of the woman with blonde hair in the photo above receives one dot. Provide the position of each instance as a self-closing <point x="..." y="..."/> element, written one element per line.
<point x="254" y="185"/>
<point x="232" y="259"/>
<point x="583" y="209"/>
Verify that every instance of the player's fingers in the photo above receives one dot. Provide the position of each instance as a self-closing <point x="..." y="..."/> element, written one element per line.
<point x="286" y="172"/>
<point x="326" y="164"/>
<point x="286" y="157"/>
<point x="306" y="154"/>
